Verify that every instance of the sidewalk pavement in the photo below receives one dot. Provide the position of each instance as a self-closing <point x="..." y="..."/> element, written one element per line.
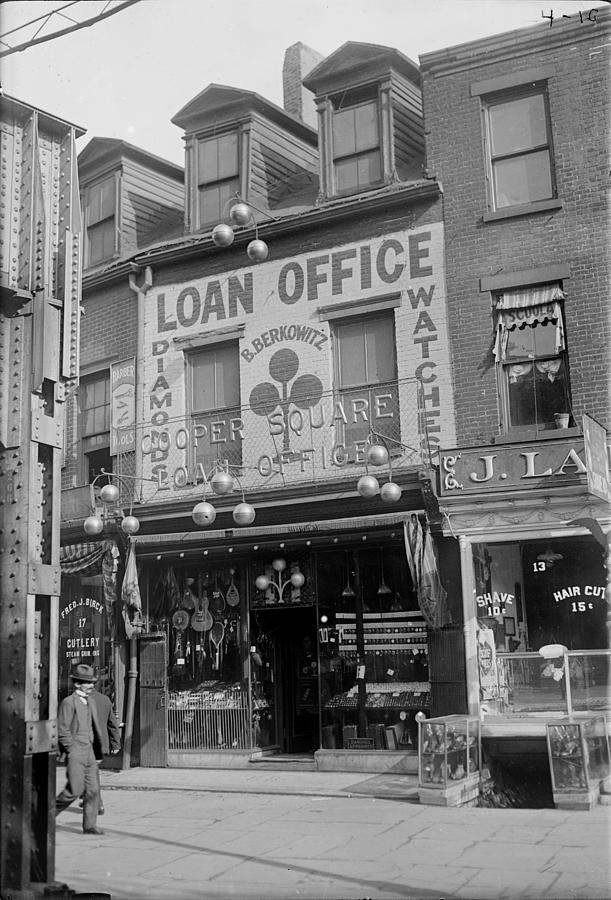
<point x="263" y="834"/>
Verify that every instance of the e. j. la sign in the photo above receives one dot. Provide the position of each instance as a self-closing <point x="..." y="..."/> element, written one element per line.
<point x="517" y="467"/>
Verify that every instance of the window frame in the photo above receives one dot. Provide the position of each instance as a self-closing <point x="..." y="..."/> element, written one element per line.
<point x="194" y="415"/>
<point x="201" y="183"/>
<point x="502" y="366"/>
<point x="113" y="217"/>
<point x="87" y="449"/>
<point x="505" y="96"/>
<point x="366" y="387"/>
<point x="348" y="101"/>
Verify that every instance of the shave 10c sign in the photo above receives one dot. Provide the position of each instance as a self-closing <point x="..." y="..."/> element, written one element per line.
<point x="291" y="420"/>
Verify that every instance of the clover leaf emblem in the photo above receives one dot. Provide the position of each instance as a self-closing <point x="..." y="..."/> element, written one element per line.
<point x="305" y="391"/>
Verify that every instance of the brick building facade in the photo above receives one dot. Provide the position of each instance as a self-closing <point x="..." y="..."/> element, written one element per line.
<point x="516" y="128"/>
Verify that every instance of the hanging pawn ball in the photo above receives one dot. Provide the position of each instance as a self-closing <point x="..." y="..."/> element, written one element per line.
<point x="109" y="493"/>
<point x="297" y="579"/>
<point x="257" y="250"/>
<point x="222" y="235"/>
<point x="244" y="514"/>
<point x="368" y="486"/>
<point x="377" y="455"/>
<point x="390" y="492"/>
<point x="93" y="525"/>
<point x="221" y="483"/>
<point x="203" y="513"/>
<point x="130" y="525"/>
<point x="262" y="582"/>
<point x="240" y="214"/>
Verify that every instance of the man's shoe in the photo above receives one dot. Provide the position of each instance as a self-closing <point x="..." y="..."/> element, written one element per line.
<point x="101" y="810"/>
<point x="92" y="831"/>
<point x="80" y="804"/>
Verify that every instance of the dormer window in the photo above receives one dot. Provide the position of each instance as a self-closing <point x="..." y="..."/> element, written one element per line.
<point x="218" y="176"/>
<point x="100" y="221"/>
<point x="356" y="141"/>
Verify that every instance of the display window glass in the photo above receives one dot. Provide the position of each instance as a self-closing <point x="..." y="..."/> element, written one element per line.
<point x="534" y="593"/>
<point x="373" y="651"/>
<point x="83" y="631"/>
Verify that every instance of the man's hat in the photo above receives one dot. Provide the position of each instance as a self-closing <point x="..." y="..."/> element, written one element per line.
<point x="83" y="672"/>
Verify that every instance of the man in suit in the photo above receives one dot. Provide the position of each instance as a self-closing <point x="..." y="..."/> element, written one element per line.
<point x="110" y="725"/>
<point x="84" y="736"/>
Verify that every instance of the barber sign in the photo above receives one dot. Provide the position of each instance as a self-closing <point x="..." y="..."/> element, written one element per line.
<point x="123" y="406"/>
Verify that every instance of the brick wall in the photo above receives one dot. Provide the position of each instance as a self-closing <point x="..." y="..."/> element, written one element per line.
<point x="108" y="334"/>
<point x="576" y="234"/>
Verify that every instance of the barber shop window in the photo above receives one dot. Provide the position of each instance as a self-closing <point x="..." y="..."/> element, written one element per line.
<point x="532" y="362"/>
<point x="214" y="376"/>
<point x="366" y="378"/>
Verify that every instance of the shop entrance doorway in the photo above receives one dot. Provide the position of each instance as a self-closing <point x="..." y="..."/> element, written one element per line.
<point x="291" y="632"/>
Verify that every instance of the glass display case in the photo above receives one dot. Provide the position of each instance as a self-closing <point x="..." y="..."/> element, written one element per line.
<point x="448" y="753"/>
<point x="578" y="751"/>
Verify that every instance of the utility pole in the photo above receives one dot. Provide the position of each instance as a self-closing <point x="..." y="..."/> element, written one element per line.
<point x="40" y="291"/>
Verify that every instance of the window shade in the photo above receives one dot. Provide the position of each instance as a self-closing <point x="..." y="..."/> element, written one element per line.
<point x="527" y="308"/>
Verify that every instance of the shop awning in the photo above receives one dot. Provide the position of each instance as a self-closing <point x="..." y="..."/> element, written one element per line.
<point x="528" y="308"/>
<point x="360" y="523"/>
<point x="93" y="558"/>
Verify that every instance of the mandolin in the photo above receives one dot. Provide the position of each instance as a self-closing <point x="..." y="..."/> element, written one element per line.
<point x="232" y="597"/>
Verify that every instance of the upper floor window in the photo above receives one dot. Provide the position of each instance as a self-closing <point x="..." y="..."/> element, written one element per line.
<point x="214" y="388"/>
<point x="95" y="425"/>
<point x="366" y="378"/>
<point x="519" y="149"/>
<point x="218" y="176"/>
<point x="357" y="157"/>
<point x="531" y="354"/>
<point x="100" y="215"/>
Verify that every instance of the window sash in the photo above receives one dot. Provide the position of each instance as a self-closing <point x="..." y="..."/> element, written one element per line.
<point x="519" y="150"/>
<point x="217" y="159"/>
<point x="215" y="379"/>
<point x="95" y="407"/>
<point x="366" y="352"/>
<point x="355" y="129"/>
<point x="535" y="391"/>
<point x="101" y="201"/>
<point x="213" y="199"/>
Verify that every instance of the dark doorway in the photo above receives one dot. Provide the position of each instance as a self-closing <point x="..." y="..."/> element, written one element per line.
<point x="293" y="632"/>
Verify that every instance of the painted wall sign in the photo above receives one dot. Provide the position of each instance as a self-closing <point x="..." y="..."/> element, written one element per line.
<point x="503" y="468"/>
<point x="123" y="406"/>
<point x="292" y="425"/>
<point x="81" y="629"/>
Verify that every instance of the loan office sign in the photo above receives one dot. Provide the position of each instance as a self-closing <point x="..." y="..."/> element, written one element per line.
<point x="516" y="468"/>
<point x="288" y="416"/>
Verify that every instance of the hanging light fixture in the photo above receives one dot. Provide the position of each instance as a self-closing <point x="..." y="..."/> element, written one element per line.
<point x="274" y="582"/>
<point x="348" y="592"/>
<point x="383" y="590"/>
<point x="242" y="216"/>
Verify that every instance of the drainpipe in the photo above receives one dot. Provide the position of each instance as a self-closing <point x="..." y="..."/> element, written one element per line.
<point x="132" y="674"/>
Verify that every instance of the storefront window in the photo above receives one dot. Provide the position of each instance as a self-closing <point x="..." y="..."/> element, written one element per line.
<point x="373" y="651"/>
<point x="534" y="593"/>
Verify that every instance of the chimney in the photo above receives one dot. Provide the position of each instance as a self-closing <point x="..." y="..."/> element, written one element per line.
<point x="298" y="61"/>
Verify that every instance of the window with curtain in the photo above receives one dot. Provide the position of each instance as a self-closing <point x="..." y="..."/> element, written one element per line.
<point x="214" y="375"/>
<point x="218" y="176"/>
<point x="519" y="149"/>
<point x="356" y="141"/>
<point x="531" y="356"/>
<point x="366" y="378"/>
<point x="100" y="218"/>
